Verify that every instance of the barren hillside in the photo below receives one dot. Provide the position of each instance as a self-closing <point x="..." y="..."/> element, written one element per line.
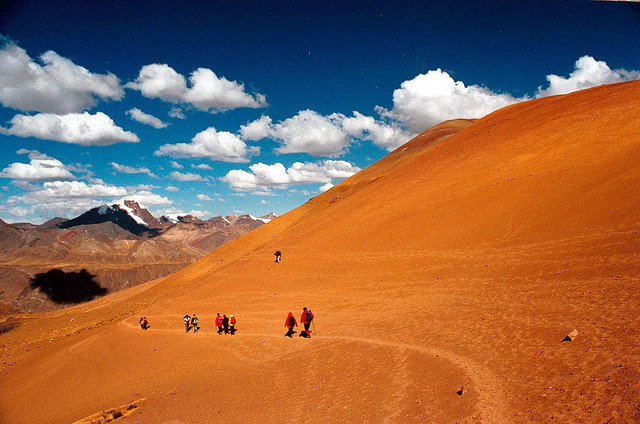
<point x="101" y="244"/>
<point x="443" y="278"/>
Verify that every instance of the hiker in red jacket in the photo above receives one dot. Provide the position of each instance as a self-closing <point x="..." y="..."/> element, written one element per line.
<point x="219" y="323"/>
<point x="305" y="319"/>
<point x="290" y="322"/>
<point x="232" y="325"/>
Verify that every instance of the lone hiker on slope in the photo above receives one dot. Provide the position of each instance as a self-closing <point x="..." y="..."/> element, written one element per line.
<point x="187" y="323"/>
<point x="219" y="323"/>
<point x="144" y="324"/>
<point x="278" y="256"/>
<point x="306" y="318"/>
<point x="290" y="322"/>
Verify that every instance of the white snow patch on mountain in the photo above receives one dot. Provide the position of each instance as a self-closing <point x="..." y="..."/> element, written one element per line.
<point x="132" y="213"/>
<point x="265" y="220"/>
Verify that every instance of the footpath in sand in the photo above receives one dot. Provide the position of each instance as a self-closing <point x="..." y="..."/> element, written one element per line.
<point x="348" y="371"/>
<point x="444" y="280"/>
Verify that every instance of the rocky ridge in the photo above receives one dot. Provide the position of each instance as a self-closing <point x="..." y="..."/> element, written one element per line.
<point x="121" y="245"/>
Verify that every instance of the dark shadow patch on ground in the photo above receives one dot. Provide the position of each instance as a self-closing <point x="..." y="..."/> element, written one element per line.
<point x="8" y="325"/>
<point x="67" y="287"/>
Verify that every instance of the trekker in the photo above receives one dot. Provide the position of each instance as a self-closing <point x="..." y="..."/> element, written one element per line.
<point x="232" y="325"/>
<point x="219" y="323"/>
<point x="278" y="256"/>
<point x="290" y="322"/>
<point x="306" y="318"/>
<point x="225" y="324"/>
<point x="187" y="323"/>
<point x="144" y="324"/>
<point x="194" y="323"/>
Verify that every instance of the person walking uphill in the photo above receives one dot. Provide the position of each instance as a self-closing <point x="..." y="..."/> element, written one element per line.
<point x="144" y="324"/>
<point x="225" y="323"/>
<point x="232" y="325"/>
<point x="290" y="322"/>
<point x="219" y="320"/>
<point x="194" y="323"/>
<point x="306" y="318"/>
<point x="187" y="323"/>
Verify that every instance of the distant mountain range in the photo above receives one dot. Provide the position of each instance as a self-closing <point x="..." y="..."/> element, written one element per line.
<point x="120" y="245"/>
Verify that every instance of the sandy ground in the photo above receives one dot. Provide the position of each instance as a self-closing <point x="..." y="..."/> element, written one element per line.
<point x="444" y="280"/>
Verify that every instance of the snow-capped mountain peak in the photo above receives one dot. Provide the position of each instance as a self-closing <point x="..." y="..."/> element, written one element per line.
<point x="127" y="214"/>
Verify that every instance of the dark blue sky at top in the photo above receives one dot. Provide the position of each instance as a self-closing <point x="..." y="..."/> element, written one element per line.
<point x="329" y="57"/>
<point x="333" y="56"/>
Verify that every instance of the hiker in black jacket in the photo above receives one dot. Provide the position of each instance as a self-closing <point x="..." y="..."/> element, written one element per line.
<point x="187" y="323"/>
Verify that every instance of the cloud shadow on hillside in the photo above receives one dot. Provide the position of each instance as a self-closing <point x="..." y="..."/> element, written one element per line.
<point x="67" y="287"/>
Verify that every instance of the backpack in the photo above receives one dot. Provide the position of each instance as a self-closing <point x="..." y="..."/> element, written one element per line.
<point x="292" y="321"/>
<point x="232" y="320"/>
<point x="308" y="316"/>
<point x="194" y="320"/>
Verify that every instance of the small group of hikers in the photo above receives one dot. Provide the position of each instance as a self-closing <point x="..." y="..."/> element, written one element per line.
<point x="226" y="325"/>
<point x="191" y="322"/>
<point x="305" y="319"/>
<point x="144" y="324"/>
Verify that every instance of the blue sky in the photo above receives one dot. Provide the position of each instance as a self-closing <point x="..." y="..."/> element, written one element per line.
<point x="229" y="107"/>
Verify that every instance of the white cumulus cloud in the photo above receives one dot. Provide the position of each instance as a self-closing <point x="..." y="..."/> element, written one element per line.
<point x="202" y="166"/>
<point x="66" y="191"/>
<point x="71" y="198"/>
<point x="307" y="132"/>
<point x="587" y="73"/>
<point x="434" y="97"/>
<point x="257" y="130"/>
<point x="207" y="92"/>
<point x="74" y="128"/>
<point x="388" y="136"/>
<point x="144" y="118"/>
<point x="55" y="85"/>
<point x="220" y="146"/>
<point x="277" y="176"/>
<point x="177" y="113"/>
<point x="174" y="213"/>
<point x="326" y="187"/>
<point x="124" y="169"/>
<point x="147" y="198"/>
<point x="186" y="177"/>
<point x="40" y="168"/>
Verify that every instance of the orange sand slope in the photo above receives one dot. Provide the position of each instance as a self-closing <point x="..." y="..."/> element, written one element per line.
<point x="443" y="278"/>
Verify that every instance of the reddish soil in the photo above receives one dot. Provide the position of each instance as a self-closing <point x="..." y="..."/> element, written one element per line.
<point x="444" y="280"/>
